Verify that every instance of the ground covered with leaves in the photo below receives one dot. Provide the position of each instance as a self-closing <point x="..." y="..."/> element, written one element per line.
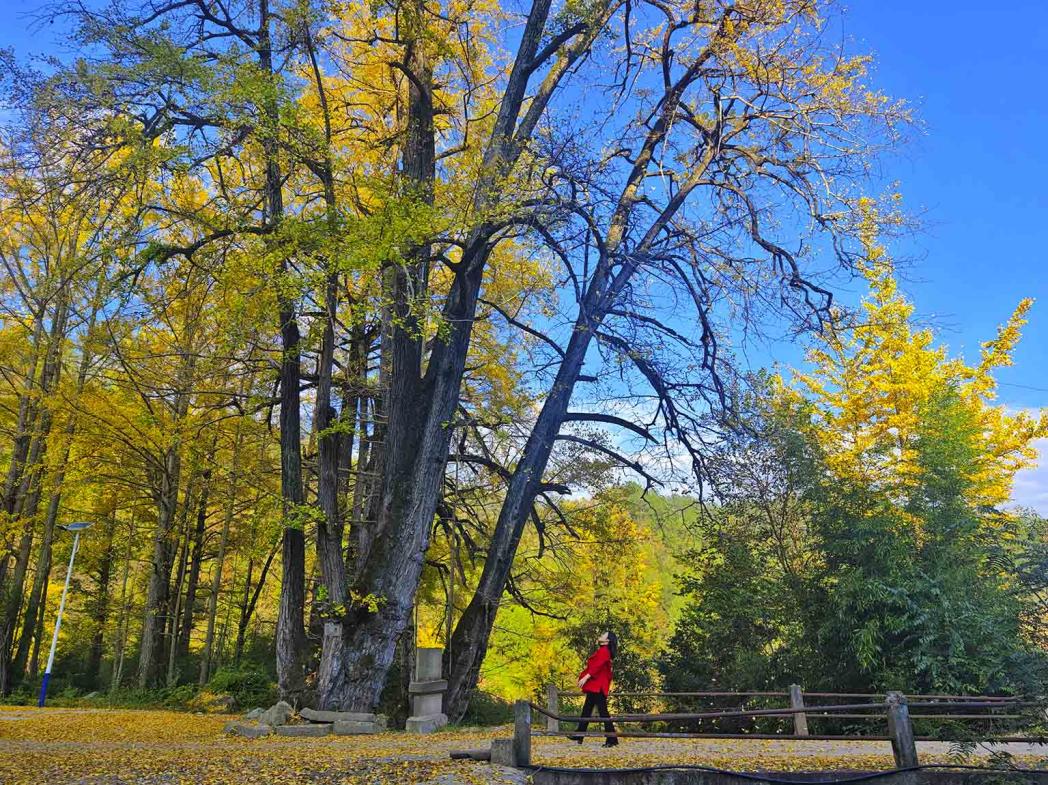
<point x="100" y="747"/>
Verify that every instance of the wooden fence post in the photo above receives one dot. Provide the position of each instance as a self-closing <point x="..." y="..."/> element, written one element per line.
<point x="522" y="734"/>
<point x="800" y="720"/>
<point x="904" y="746"/>
<point x="553" y="707"/>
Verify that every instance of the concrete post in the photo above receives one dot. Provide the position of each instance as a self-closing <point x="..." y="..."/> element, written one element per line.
<point x="521" y="734"/>
<point x="904" y="746"/>
<point x="553" y="707"/>
<point x="427" y="693"/>
<point x="800" y="720"/>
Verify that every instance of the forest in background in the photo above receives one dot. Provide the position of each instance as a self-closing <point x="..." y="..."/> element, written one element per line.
<point x="350" y="328"/>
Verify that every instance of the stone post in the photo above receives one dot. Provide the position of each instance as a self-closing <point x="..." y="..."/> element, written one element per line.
<point x="427" y="693"/>
<point x="800" y="720"/>
<point x="521" y="734"/>
<point x="904" y="746"/>
<point x="553" y="707"/>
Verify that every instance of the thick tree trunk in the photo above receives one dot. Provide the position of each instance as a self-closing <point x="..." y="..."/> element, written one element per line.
<point x="159" y="586"/>
<point x="329" y="455"/>
<point x="100" y="611"/>
<point x="330" y="675"/>
<point x="469" y="642"/>
<point x="36" y="593"/>
<point x="291" y="634"/>
<point x="418" y="436"/>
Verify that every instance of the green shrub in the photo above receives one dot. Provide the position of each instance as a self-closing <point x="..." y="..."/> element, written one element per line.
<point x="487" y="709"/>
<point x="178" y="697"/>
<point x="250" y="687"/>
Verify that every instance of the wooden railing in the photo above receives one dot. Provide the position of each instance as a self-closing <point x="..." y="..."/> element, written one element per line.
<point x="892" y="708"/>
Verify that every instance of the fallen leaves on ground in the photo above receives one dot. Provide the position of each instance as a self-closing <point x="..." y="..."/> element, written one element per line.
<point x="118" y="747"/>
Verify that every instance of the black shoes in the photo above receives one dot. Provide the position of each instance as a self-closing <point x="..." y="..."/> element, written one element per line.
<point x="612" y="742"/>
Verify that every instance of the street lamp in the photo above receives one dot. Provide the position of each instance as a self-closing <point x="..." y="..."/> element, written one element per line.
<point x="76" y="528"/>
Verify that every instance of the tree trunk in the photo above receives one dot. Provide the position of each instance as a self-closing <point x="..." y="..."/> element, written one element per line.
<point x="37" y="592"/>
<point x="469" y="642"/>
<point x="125" y="613"/>
<point x="165" y="478"/>
<point x="23" y="490"/>
<point x="291" y="634"/>
<point x="174" y="616"/>
<point x="194" y="564"/>
<point x="220" y="558"/>
<point x="247" y="608"/>
<point x="38" y="635"/>
<point x="420" y="409"/>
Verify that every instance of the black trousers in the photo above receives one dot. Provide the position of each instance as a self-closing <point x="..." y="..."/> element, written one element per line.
<point x="598" y="701"/>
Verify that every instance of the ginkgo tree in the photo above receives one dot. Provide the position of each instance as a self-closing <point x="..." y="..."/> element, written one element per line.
<point x="865" y="539"/>
<point x="875" y="375"/>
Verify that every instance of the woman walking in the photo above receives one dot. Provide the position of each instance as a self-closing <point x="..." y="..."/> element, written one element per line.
<point x="595" y="681"/>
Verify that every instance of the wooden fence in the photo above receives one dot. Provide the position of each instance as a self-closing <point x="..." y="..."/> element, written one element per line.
<point x="894" y="709"/>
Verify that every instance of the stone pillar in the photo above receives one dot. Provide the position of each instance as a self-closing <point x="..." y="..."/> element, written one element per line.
<point x="427" y="693"/>
<point x="800" y="719"/>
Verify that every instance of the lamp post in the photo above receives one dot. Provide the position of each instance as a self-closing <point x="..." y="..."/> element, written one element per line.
<point x="76" y="528"/>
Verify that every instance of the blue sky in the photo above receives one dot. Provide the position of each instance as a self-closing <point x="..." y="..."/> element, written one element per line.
<point x="976" y="74"/>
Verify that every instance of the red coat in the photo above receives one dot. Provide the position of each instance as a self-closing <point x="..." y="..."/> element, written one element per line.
<point x="598" y="666"/>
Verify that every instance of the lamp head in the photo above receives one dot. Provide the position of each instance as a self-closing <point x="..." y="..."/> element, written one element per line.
<point x="77" y="526"/>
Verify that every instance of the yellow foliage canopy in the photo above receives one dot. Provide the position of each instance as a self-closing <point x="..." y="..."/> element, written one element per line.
<point x="875" y="374"/>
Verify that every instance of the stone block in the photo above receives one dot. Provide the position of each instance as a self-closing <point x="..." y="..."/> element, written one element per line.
<point x="312" y="729"/>
<point x="428" y="687"/>
<point x="248" y="730"/>
<point x="427" y="723"/>
<point x="357" y="728"/>
<point x="428" y="664"/>
<point x="502" y="752"/>
<point x="277" y="714"/>
<point x="254" y="714"/>
<point x="319" y="715"/>
<point x="424" y="705"/>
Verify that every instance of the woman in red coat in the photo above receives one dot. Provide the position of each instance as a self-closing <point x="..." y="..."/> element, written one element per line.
<point x="595" y="681"/>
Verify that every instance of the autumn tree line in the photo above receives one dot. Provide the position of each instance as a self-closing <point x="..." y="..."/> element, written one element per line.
<point x="329" y="314"/>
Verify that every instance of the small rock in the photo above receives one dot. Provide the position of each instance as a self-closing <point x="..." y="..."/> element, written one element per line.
<point x="276" y="715"/>
<point x="254" y="714"/>
<point x="247" y="730"/>
<point x="502" y="752"/>
<point x="312" y="729"/>
<point x="90" y="695"/>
